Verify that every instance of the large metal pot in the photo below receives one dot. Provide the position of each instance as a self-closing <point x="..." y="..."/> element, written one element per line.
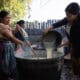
<point x="40" y="67"/>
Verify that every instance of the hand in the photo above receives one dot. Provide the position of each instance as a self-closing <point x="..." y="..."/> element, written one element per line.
<point x="64" y="44"/>
<point x="22" y="43"/>
<point x="61" y="45"/>
<point x="45" y="31"/>
<point x="28" y="43"/>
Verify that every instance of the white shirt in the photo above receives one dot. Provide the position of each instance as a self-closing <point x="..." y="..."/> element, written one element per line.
<point x="25" y="34"/>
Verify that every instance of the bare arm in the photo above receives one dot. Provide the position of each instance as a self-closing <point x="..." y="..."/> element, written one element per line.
<point x="66" y="43"/>
<point x="56" y="25"/>
<point x="8" y="33"/>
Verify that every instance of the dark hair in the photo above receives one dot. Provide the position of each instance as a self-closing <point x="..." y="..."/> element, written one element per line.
<point x="3" y="13"/>
<point x="20" y="22"/>
<point x="73" y="8"/>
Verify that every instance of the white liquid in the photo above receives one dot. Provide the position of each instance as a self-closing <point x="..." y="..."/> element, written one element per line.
<point x="49" y="52"/>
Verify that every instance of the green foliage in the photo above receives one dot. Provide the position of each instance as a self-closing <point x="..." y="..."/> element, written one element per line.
<point x="17" y="8"/>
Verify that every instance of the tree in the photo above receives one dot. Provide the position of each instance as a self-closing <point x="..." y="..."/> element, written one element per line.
<point x="17" y="8"/>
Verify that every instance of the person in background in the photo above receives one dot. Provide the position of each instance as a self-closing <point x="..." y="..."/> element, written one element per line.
<point x="7" y="59"/>
<point x="72" y="19"/>
<point x="18" y="33"/>
<point x="23" y="36"/>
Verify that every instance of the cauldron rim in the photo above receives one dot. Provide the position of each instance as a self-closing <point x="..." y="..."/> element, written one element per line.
<point x="40" y="59"/>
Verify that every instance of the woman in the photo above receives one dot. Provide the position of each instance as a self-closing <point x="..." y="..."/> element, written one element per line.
<point x="7" y="59"/>
<point x="22" y="35"/>
<point x="73" y="19"/>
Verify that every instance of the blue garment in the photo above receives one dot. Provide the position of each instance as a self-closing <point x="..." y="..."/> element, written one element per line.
<point x="8" y="64"/>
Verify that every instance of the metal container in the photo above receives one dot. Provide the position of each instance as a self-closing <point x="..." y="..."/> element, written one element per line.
<point x="39" y="67"/>
<point x="52" y="37"/>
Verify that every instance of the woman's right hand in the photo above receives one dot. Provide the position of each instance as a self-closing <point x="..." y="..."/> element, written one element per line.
<point x="61" y="45"/>
<point x="45" y="31"/>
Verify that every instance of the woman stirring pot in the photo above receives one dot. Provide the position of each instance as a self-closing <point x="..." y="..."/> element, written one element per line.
<point x="7" y="59"/>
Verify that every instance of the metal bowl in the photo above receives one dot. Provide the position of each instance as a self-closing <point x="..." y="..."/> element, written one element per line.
<point x="52" y="36"/>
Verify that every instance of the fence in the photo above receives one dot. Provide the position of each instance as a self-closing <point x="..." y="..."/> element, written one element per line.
<point x="39" y="25"/>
